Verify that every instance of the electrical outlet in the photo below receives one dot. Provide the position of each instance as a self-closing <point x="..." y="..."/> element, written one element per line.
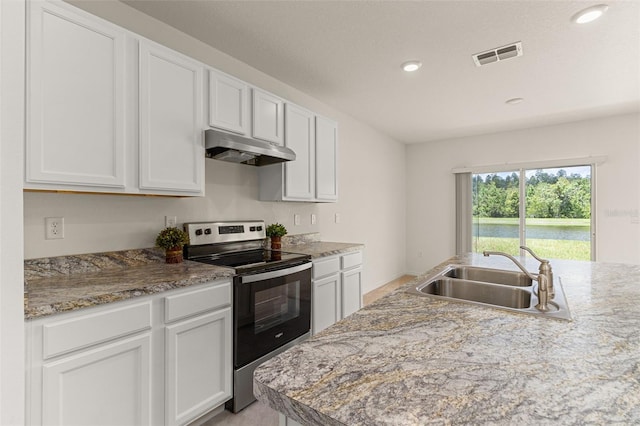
<point x="313" y="219"/>
<point x="337" y="218"/>
<point x="296" y="219"/>
<point x="170" y="221"/>
<point x="54" y="228"/>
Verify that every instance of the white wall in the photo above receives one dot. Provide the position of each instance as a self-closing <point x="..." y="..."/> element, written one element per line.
<point x="430" y="183"/>
<point x="12" y="370"/>
<point x="371" y="182"/>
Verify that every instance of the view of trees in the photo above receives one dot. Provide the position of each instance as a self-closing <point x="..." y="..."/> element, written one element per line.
<point x="548" y="195"/>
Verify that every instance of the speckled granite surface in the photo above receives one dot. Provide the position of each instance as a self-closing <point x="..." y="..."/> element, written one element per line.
<point x="310" y="244"/>
<point x="65" y="283"/>
<point x="411" y="360"/>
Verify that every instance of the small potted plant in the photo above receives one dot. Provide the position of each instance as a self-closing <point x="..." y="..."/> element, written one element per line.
<point x="276" y="231"/>
<point x="172" y="240"/>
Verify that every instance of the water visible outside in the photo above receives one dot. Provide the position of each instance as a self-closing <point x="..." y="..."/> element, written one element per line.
<point x="577" y="233"/>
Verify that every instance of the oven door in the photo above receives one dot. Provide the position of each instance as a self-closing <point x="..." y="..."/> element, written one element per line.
<point x="270" y="309"/>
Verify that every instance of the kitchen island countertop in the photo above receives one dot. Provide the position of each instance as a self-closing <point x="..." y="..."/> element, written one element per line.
<point x="67" y="283"/>
<point x="408" y="360"/>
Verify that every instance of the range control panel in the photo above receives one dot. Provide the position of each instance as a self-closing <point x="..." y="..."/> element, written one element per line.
<point x="223" y="232"/>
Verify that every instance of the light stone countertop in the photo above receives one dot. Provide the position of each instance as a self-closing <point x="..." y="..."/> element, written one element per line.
<point x="411" y="360"/>
<point x="67" y="283"/>
<point x="322" y="248"/>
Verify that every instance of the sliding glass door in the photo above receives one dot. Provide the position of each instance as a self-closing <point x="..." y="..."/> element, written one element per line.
<point x="496" y="212"/>
<point x="548" y="210"/>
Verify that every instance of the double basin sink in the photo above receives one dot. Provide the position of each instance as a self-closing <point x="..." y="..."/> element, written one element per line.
<point x="498" y="288"/>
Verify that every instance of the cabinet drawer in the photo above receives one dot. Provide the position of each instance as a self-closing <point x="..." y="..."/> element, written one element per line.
<point x="350" y="260"/>
<point x="324" y="267"/>
<point x="85" y="330"/>
<point x="197" y="301"/>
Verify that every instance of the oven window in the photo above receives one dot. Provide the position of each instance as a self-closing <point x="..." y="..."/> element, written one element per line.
<point x="276" y="305"/>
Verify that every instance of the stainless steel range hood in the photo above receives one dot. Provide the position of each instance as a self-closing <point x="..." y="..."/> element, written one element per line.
<point x="238" y="149"/>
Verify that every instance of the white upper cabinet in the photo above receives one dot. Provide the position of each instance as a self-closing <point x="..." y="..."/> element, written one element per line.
<point x="76" y="106"/>
<point x="312" y="175"/>
<point x="171" y="130"/>
<point x="99" y="122"/>
<point x="299" y="175"/>
<point x="268" y="118"/>
<point x="326" y="159"/>
<point x="228" y="103"/>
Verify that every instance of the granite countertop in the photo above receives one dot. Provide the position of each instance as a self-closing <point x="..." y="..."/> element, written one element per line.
<point x="66" y="283"/>
<point x="311" y="245"/>
<point x="408" y="360"/>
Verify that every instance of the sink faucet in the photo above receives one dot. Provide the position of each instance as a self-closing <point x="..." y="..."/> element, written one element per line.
<point x="545" y="269"/>
<point x="543" y="288"/>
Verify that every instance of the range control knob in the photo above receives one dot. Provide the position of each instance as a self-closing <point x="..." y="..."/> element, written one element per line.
<point x="207" y="231"/>
<point x="198" y="232"/>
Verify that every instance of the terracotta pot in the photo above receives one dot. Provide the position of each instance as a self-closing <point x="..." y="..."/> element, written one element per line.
<point x="174" y="255"/>
<point x="276" y="243"/>
<point x="276" y="255"/>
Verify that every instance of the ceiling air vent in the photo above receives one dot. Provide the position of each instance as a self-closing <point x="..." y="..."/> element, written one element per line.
<point x="498" y="54"/>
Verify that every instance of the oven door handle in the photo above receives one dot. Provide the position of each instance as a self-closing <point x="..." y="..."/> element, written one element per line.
<point x="275" y="274"/>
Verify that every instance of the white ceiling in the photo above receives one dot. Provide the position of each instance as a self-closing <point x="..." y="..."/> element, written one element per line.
<point x="348" y="55"/>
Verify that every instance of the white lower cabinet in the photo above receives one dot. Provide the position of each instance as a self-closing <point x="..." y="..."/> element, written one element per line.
<point x="337" y="289"/>
<point x="198" y="364"/>
<point x="108" y="385"/>
<point x="161" y="359"/>
<point x="326" y="302"/>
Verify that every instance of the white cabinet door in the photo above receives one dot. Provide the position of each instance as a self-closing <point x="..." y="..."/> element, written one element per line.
<point x="351" y="291"/>
<point x="228" y="103"/>
<point x="75" y="95"/>
<point x="326" y="159"/>
<point x="268" y="119"/>
<point x="108" y="385"/>
<point x="299" y="175"/>
<point x="198" y="366"/>
<point x="326" y="302"/>
<point x="171" y="131"/>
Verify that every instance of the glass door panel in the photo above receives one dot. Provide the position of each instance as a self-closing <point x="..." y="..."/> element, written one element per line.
<point x="496" y="212"/>
<point x="558" y="212"/>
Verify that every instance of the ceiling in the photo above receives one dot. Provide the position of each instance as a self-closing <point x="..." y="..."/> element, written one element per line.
<point x="348" y="55"/>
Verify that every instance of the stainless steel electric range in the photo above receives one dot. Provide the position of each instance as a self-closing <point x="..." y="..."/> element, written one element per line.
<point x="271" y="295"/>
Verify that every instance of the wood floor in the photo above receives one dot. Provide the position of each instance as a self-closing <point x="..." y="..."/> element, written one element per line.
<point x="258" y="414"/>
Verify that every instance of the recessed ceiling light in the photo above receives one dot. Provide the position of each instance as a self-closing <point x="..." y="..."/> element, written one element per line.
<point x="513" y="101"/>
<point x="411" y="66"/>
<point x="589" y="14"/>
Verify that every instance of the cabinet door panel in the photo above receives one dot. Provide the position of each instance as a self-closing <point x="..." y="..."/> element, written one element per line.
<point x="326" y="159"/>
<point x="351" y="291"/>
<point x="326" y="302"/>
<point x="228" y="103"/>
<point x="199" y="366"/>
<point x="300" y="137"/>
<point x="109" y="385"/>
<point x="75" y="110"/>
<point x="268" y="119"/>
<point x="171" y="150"/>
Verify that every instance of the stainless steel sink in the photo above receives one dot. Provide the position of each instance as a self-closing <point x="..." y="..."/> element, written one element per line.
<point x="497" y="288"/>
<point x="491" y="294"/>
<point x="488" y="275"/>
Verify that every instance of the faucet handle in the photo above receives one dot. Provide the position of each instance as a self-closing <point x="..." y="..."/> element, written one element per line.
<point x="533" y="254"/>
